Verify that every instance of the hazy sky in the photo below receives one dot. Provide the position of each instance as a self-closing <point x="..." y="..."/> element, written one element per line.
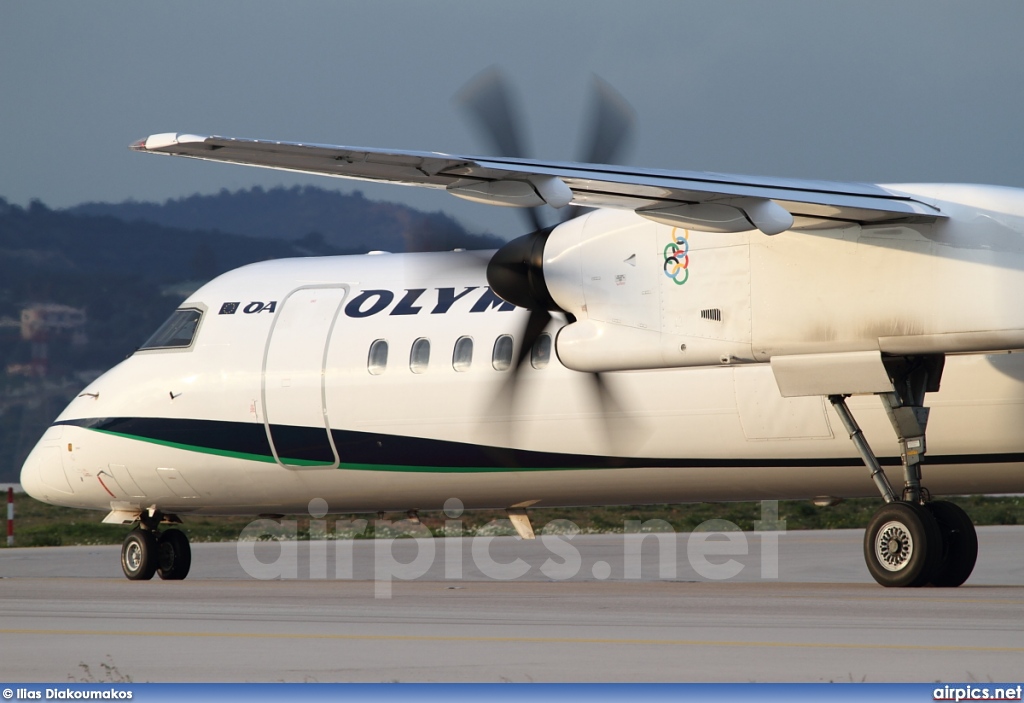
<point x="916" y="90"/>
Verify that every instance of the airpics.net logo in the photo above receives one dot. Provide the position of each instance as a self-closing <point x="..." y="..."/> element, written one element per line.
<point x="407" y="550"/>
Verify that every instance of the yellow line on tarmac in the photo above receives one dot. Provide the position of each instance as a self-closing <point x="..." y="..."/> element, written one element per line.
<point x="531" y="640"/>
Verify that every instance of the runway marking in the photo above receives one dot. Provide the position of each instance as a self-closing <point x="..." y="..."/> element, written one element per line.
<point x="531" y="640"/>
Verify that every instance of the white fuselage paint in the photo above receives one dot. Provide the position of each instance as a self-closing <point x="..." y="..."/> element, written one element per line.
<point x="303" y="361"/>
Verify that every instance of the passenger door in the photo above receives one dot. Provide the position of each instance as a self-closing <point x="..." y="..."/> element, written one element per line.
<point x="293" y="377"/>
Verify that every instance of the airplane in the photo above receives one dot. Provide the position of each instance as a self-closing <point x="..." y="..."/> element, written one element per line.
<point x="690" y="337"/>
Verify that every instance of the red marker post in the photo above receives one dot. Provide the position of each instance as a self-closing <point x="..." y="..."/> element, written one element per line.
<point x="10" y="517"/>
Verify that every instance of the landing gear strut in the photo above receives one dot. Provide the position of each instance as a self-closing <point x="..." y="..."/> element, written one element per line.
<point x="146" y="552"/>
<point x="911" y="540"/>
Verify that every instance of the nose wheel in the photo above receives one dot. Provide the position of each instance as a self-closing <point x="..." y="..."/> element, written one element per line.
<point x="138" y="555"/>
<point x="174" y="556"/>
<point x="146" y="552"/>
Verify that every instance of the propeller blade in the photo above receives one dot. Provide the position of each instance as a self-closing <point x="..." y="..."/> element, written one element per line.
<point x="610" y="128"/>
<point x="535" y="324"/>
<point x="488" y="99"/>
<point x="515" y="271"/>
<point x="606" y="399"/>
<point x="532" y="215"/>
<point x="624" y="435"/>
<point x="610" y="125"/>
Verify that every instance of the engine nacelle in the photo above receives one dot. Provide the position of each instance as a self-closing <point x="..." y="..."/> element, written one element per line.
<point x="646" y="295"/>
<point x="590" y="345"/>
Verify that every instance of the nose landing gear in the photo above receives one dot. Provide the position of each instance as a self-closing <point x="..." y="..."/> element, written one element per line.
<point x="912" y="540"/>
<point x="146" y="552"/>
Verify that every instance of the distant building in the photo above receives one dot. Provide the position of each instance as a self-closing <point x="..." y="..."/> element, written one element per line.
<point x="42" y="323"/>
<point x="43" y="319"/>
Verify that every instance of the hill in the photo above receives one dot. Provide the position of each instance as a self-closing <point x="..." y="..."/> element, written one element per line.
<point x="346" y="222"/>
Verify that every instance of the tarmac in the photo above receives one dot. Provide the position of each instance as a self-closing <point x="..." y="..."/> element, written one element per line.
<point x="589" y="608"/>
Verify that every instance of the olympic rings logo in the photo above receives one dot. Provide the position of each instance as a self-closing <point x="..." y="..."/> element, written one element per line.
<point x="677" y="257"/>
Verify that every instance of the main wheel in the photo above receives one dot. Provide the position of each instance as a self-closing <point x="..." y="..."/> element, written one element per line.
<point x="174" y="555"/>
<point x="138" y="555"/>
<point x="959" y="543"/>
<point x="903" y="545"/>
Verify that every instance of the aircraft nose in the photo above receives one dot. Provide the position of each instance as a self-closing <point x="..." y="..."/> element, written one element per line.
<point x="42" y="475"/>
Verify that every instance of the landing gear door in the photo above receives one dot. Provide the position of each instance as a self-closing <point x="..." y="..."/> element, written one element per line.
<point x="293" y="377"/>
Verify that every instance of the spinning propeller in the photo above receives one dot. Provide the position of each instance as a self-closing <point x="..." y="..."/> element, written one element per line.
<point x="516" y="271"/>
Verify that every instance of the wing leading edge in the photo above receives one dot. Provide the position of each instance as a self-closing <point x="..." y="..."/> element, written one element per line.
<point x="711" y="201"/>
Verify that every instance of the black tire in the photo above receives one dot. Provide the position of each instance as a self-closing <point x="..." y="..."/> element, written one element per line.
<point x="174" y="555"/>
<point x="903" y="545"/>
<point x="138" y="555"/>
<point x="959" y="544"/>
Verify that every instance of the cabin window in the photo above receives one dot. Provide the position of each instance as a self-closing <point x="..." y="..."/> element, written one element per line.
<point x="540" y="355"/>
<point x="419" y="356"/>
<point x="501" y="358"/>
<point x="178" y="332"/>
<point x="377" y="360"/>
<point x="462" y="356"/>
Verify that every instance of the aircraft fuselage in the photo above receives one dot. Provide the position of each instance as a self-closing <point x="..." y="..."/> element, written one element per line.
<point x="274" y="403"/>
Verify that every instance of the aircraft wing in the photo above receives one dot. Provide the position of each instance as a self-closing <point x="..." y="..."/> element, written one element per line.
<point x="674" y="197"/>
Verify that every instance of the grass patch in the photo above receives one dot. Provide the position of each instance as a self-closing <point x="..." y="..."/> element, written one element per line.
<point x="39" y="524"/>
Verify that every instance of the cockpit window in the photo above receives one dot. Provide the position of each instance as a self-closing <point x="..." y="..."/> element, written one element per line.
<point x="177" y="332"/>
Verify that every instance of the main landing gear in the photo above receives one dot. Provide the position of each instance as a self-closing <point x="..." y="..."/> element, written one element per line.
<point x="912" y="540"/>
<point x="146" y="551"/>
